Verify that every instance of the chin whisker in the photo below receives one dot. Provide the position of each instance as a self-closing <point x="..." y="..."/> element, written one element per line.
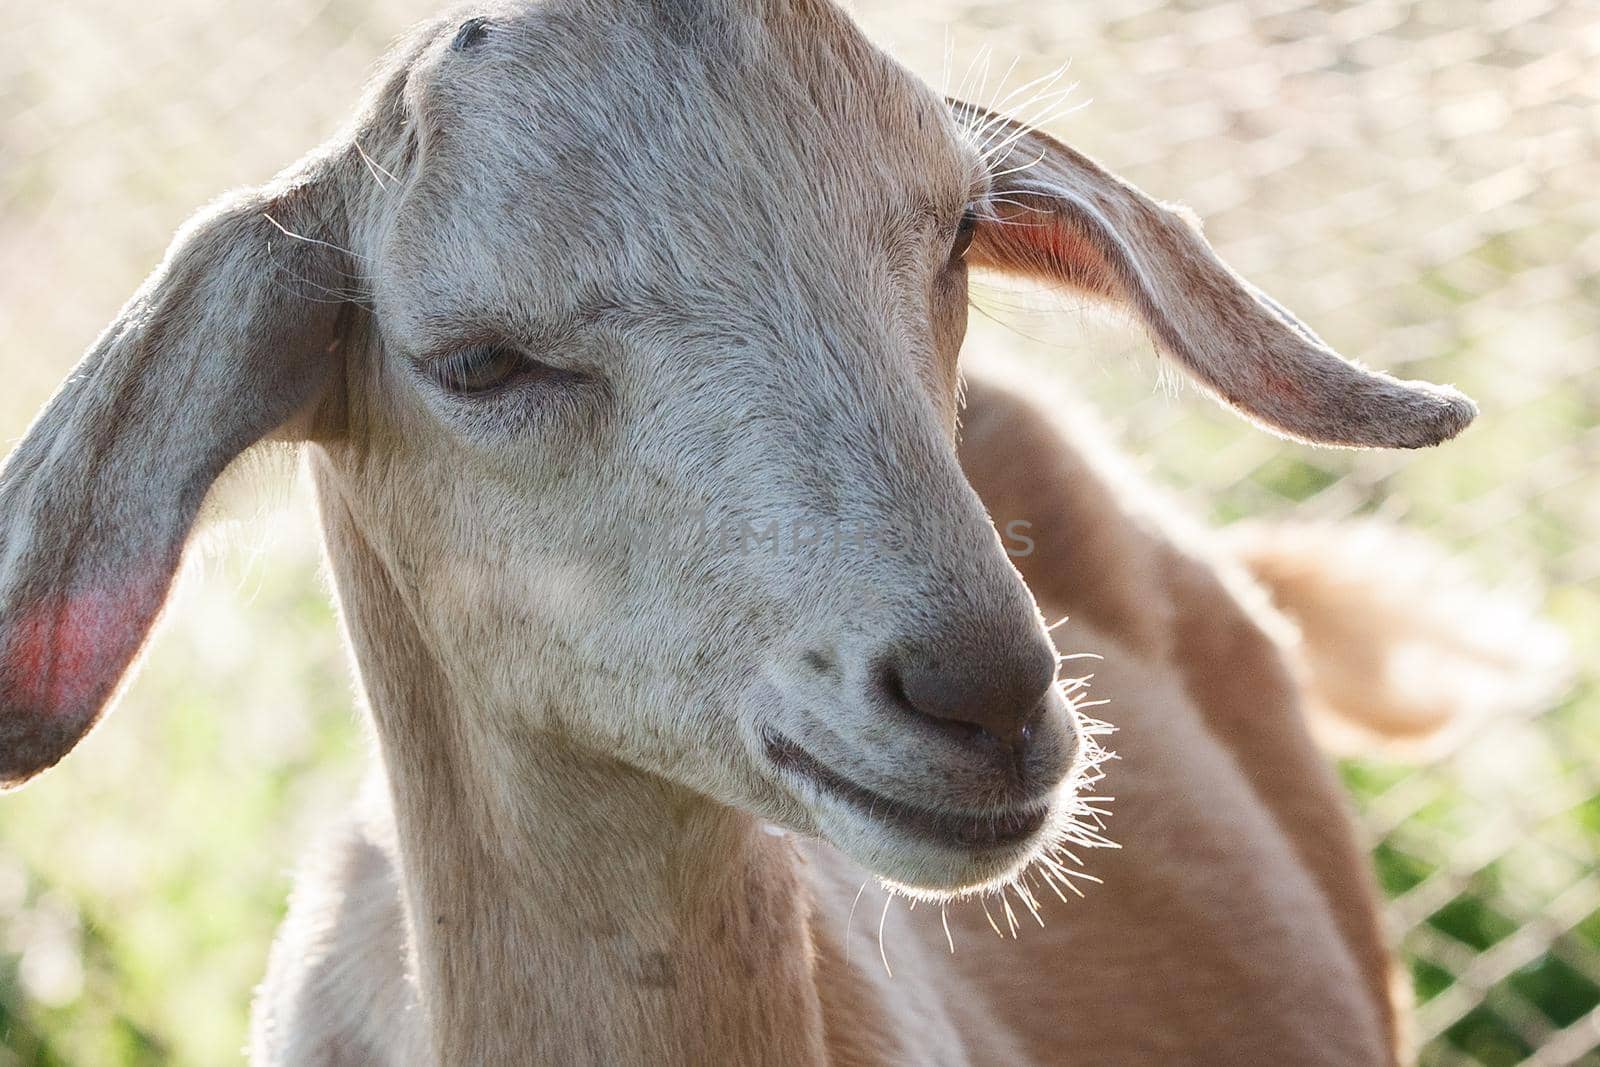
<point x="883" y="953"/>
<point x="984" y="901"/>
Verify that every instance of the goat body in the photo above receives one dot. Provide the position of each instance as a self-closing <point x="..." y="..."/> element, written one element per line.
<point x="1238" y="925"/>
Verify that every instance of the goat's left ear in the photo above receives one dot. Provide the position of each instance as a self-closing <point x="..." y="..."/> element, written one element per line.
<point x="231" y="339"/>
<point x="1055" y="215"/>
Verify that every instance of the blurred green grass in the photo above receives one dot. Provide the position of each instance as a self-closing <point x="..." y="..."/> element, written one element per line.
<point x="1415" y="178"/>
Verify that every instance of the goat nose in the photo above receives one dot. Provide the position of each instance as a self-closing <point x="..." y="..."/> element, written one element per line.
<point x="1000" y="694"/>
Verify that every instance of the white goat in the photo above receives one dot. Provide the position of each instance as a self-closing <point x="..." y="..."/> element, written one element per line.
<point x="637" y="268"/>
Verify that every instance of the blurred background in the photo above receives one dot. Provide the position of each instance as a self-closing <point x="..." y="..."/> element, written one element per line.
<point x="1417" y="178"/>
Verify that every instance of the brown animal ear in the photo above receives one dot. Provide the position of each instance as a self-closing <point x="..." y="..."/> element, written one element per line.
<point x="1055" y="215"/>
<point x="227" y="341"/>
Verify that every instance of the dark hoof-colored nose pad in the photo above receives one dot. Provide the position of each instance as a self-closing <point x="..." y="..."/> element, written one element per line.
<point x="998" y="699"/>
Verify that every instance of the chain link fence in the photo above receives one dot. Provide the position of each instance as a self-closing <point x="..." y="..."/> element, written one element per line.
<point x="1416" y="178"/>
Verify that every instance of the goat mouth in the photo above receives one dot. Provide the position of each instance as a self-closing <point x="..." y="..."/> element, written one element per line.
<point x="967" y="830"/>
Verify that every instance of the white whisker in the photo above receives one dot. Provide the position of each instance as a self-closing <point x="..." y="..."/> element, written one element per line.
<point x="882" y="952"/>
<point x="374" y="167"/>
<point x="849" y="919"/>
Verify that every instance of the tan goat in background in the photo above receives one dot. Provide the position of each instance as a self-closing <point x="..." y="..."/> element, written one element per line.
<point x="581" y="279"/>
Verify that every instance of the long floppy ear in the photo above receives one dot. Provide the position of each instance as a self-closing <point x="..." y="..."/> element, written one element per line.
<point x="229" y="340"/>
<point x="1054" y="214"/>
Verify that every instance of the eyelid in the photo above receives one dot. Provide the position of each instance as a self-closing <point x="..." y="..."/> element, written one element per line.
<point x="538" y="341"/>
<point x="454" y="371"/>
<point x="461" y="342"/>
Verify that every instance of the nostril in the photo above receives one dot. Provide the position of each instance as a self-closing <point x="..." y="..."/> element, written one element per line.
<point x="891" y="686"/>
<point x="997" y="701"/>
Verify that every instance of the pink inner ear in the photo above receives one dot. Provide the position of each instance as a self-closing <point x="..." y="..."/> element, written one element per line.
<point x="1050" y="247"/>
<point x="65" y="655"/>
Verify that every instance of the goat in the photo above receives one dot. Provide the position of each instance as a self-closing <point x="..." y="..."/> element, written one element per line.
<point x="580" y="280"/>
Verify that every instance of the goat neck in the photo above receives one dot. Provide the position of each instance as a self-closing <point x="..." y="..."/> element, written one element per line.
<point x="540" y="876"/>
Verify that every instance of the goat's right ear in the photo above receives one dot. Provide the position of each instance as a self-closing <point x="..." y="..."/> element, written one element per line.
<point x="231" y="339"/>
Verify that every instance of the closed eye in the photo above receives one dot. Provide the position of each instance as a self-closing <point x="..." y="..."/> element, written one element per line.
<point x="964" y="231"/>
<point x="486" y="369"/>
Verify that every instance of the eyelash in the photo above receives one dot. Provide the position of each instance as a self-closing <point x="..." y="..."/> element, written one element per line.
<point x="482" y="370"/>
